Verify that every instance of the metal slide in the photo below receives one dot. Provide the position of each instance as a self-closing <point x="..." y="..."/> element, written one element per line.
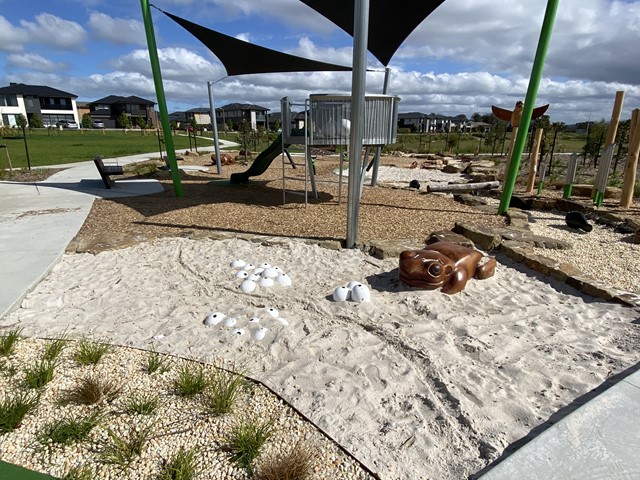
<point x="261" y="163"/>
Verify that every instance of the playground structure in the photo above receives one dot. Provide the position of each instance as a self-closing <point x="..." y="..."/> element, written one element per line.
<point x="327" y="123"/>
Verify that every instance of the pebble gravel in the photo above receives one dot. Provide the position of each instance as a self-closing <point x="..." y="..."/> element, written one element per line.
<point x="177" y="422"/>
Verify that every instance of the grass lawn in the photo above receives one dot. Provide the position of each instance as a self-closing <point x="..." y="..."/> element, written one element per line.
<point x="53" y="147"/>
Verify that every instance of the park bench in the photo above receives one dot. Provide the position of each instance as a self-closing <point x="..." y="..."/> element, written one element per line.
<point x="107" y="170"/>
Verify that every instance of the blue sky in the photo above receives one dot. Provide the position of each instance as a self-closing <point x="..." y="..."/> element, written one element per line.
<point x="465" y="57"/>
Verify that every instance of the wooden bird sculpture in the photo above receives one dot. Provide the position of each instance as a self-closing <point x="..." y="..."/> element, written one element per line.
<point x="514" y="116"/>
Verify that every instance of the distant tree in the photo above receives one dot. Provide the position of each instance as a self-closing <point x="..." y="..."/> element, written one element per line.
<point x="86" y="121"/>
<point x="123" y="121"/>
<point x="276" y="125"/>
<point x="36" y="121"/>
<point x="229" y="124"/>
<point x="245" y="133"/>
<point x="595" y="138"/>
<point x="21" y="121"/>
<point x="193" y="124"/>
<point x="476" y="117"/>
<point x="141" y="122"/>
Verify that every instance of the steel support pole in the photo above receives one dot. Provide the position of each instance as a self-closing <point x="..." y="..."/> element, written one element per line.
<point x="358" y="88"/>
<point x="532" y="91"/>
<point x="162" y="103"/>
<point x="376" y="160"/>
<point x="214" y="125"/>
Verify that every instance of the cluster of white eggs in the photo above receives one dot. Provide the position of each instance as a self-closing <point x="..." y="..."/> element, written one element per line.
<point x="354" y="291"/>
<point x="264" y="275"/>
<point x="252" y="326"/>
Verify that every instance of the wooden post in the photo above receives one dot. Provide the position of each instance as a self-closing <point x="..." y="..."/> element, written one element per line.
<point x="631" y="168"/>
<point x="613" y="126"/>
<point x="533" y="161"/>
<point x="503" y="173"/>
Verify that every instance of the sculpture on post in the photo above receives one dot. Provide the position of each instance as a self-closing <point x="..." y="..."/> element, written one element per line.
<point x="444" y="265"/>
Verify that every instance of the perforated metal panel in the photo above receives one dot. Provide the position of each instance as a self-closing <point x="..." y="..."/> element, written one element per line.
<point x="330" y="116"/>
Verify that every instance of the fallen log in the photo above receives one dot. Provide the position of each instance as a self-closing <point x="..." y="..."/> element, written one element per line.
<point x="462" y="187"/>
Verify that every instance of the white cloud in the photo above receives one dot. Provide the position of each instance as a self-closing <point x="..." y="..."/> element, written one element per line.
<point x="34" y="61"/>
<point x="55" y="32"/>
<point x="245" y="37"/>
<point x="308" y="49"/>
<point x="176" y="64"/>
<point x="117" y="30"/>
<point x="12" y="38"/>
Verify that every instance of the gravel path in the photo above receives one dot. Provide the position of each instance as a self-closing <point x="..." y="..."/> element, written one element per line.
<point x="602" y="253"/>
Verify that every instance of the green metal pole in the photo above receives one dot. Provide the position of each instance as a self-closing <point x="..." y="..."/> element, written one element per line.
<point x="162" y="103"/>
<point x="532" y="91"/>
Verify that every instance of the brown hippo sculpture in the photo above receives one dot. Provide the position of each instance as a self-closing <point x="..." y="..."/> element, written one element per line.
<point x="444" y="265"/>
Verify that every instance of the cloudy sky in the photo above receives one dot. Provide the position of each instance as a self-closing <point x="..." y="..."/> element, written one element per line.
<point x="465" y="57"/>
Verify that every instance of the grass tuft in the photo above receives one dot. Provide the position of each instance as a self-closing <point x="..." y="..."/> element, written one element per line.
<point x="156" y="363"/>
<point x="223" y="390"/>
<point x="53" y="348"/>
<point x="141" y="404"/>
<point x="40" y="374"/>
<point x="14" y="409"/>
<point x="89" y="352"/>
<point x="91" y="390"/>
<point x="8" y="342"/>
<point x="182" y="466"/>
<point x="246" y="440"/>
<point x="69" y="430"/>
<point x="79" y="473"/>
<point x="122" y="449"/>
<point x="191" y="380"/>
<point x="296" y="465"/>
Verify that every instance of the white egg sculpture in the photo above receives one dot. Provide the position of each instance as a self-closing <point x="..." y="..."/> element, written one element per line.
<point x="249" y="266"/>
<point x="352" y="284"/>
<point x="260" y="333"/>
<point x="264" y="265"/>
<point x="242" y="274"/>
<point x="341" y="294"/>
<point x="266" y="282"/>
<point x="283" y="321"/>
<point x="238" y="331"/>
<point x="272" y="311"/>
<point x="248" y="286"/>
<point x="258" y="271"/>
<point x="214" y="318"/>
<point x="270" y="272"/>
<point x="283" y="279"/>
<point x="229" y="322"/>
<point x="253" y="277"/>
<point x="237" y="263"/>
<point x="360" y="293"/>
<point x="254" y="320"/>
<point x="278" y="269"/>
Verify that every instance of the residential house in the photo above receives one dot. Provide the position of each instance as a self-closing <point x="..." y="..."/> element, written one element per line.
<point x="237" y="112"/>
<point x="415" y="121"/>
<point x="109" y="109"/>
<point x="50" y="104"/>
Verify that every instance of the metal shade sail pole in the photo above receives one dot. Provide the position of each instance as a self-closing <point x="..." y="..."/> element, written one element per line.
<point x="214" y="125"/>
<point x="162" y="103"/>
<point x="358" y="86"/>
<point x="376" y="159"/>
<point x="532" y="91"/>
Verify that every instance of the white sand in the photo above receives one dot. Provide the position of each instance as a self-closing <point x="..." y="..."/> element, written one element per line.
<point x="417" y="384"/>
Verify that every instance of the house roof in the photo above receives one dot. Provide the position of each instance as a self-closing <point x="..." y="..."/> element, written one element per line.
<point x="412" y="115"/>
<point x="113" y="99"/>
<point x="200" y="110"/>
<point x="243" y="106"/>
<point x="36" y="90"/>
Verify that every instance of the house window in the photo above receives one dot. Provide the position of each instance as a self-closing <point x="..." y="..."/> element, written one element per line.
<point x="30" y="102"/>
<point x="8" y="100"/>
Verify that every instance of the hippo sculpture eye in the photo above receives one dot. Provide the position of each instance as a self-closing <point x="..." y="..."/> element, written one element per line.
<point x="435" y="269"/>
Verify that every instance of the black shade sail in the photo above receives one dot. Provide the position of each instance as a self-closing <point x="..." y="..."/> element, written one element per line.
<point x="390" y="21"/>
<point x="240" y="57"/>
